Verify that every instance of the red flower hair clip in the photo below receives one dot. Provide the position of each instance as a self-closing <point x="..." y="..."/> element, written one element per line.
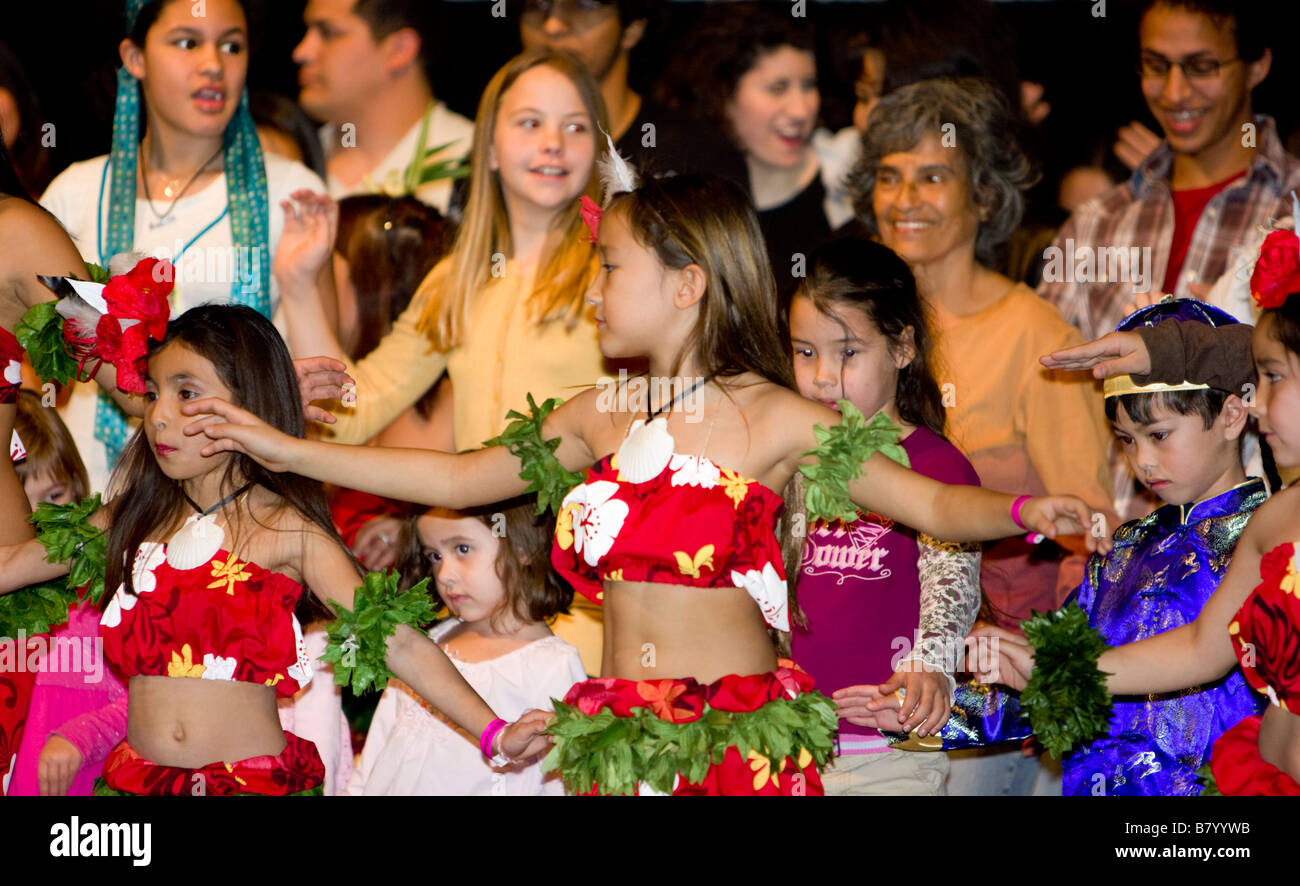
<point x="1277" y="271"/>
<point x="591" y="214"/>
<point x="92" y="324"/>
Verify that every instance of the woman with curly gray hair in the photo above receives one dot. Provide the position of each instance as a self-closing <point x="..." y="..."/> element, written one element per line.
<point x="941" y="181"/>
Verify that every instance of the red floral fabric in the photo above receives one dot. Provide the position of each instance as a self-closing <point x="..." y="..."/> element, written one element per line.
<point x="1239" y="770"/>
<point x="11" y="362"/>
<point x="695" y="523"/>
<point x="225" y="620"/>
<point x="1277" y="271"/>
<point x="683" y="701"/>
<point x="1266" y="629"/>
<point x="297" y="768"/>
<point x="16" y="686"/>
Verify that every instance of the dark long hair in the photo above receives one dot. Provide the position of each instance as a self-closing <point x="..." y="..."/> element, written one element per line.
<point x="863" y="275"/>
<point x="251" y="359"/>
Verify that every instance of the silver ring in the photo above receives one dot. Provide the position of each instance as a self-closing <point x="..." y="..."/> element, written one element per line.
<point x="385" y="539"/>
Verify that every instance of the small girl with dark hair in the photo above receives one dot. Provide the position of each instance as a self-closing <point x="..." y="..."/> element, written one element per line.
<point x="209" y="557"/>
<point x="492" y="570"/>
<point x="858" y="333"/>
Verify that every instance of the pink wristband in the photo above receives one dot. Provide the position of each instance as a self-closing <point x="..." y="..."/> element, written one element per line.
<point x="1015" y="510"/>
<point x="489" y="735"/>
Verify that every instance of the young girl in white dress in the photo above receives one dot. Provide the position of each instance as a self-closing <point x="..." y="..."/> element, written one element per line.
<point x="492" y="568"/>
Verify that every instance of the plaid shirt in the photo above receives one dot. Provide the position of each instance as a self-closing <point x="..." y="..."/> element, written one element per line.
<point x="1140" y="213"/>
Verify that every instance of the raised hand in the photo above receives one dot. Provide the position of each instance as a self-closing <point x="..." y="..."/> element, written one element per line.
<point x="321" y="378"/>
<point x="307" y="242"/>
<point x="1117" y="353"/>
<point x="237" y="430"/>
<point x="1133" y="143"/>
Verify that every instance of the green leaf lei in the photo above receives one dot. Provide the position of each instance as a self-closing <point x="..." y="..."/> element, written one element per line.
<point x="543" y="471"/>
<point x="40" y="332"/>
<point x="358" y="638"/>
<point x="67" y="534"/>
<point x="841" y="451"/>
<point x="617" y="752"/>
<point x="1066" y="696"/>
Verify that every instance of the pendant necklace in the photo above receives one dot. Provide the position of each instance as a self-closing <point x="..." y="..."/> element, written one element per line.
<point x="199" y="539"/>
<point x="649" y="446"/>
<point x="167" y="191"/>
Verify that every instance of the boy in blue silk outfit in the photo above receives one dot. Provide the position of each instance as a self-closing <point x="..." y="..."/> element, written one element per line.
<point x="1180" y="428"/>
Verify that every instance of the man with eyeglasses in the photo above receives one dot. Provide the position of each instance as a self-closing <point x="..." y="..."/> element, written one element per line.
<point x="361" y="71"/>
<point x="602" y="34"/>
<point x="1196" y="199"/>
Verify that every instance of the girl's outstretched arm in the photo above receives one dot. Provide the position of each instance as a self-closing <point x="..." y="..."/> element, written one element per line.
<point x="963" y="513"/>
<point x="1194" y="654"/>
<point x="412" y="656"/>
<point x="450" y="480"/>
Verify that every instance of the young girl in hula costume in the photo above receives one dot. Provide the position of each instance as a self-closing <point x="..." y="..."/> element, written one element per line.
<point x="1254" y="615"/>
<point x="674" y="528"/>
<point x="209" y="557"/>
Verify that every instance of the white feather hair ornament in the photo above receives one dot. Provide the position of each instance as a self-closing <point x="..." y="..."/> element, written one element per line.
<point x="616" y="174"/>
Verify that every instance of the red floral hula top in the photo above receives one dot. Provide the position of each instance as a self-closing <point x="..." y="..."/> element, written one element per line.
<point x="1267" y="628"/>
<point x="11" y="363"/>
<point x="224" y="620"/>
<point x="693" y="523"/>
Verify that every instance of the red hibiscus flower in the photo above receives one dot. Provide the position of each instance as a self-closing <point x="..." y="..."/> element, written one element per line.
<point x="1277" y="272"/>
<point x="141" y="294"/>
<point x="125" y="349"/>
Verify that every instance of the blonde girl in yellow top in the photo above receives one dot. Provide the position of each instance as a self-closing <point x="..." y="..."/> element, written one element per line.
<point x="503" y="313"/>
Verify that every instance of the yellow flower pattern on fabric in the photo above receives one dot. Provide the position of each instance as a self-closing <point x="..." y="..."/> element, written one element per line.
<point x="688" y="565"/>
<point x="228" y="573"/>
<point x="736" y="486"/>
<point x="762" y="769"/>
<point x="564" y="526"/>
<point x="183" y="664"/>
<point x="1291" y="581"/>
<point x="614" y="575"/>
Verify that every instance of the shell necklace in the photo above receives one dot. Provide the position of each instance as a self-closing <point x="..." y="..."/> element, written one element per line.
<point x="199" y="539"/>
<point x="649" y="447"/>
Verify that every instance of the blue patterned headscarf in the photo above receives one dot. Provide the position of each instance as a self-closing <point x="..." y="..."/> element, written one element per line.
<point x="246" y="192"/>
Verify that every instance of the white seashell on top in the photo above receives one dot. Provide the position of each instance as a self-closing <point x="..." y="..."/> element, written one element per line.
<point x="195" y="543"/>
<point x="646" y="451"/>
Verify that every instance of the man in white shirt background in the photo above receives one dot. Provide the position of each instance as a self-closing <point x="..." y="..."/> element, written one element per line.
<point x="362" y="71"/>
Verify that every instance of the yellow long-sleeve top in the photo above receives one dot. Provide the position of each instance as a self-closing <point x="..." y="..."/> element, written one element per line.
<point x="503" y="356"/>
<point x="1025" y="429"/>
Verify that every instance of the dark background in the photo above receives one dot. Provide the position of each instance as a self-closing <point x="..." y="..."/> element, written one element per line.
<point x="69" y="49"/>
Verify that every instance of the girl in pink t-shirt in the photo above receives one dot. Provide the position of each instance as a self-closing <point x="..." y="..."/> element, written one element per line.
<point x="66" y="737"/>
<point x="883" y="603"/>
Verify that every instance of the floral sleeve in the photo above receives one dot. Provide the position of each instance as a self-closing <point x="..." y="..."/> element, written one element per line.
<point x="950" y="599"/>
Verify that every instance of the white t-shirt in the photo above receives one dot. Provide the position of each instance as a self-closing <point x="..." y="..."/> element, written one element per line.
<point x="445" y="125"/>
<point x="195" y="229"/>
<point x="411" y="750"/>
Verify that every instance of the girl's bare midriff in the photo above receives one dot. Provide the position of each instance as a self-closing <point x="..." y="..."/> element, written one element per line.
<point x="187" y="722"/>
<point x="661" y="632"/>
<point x="1279" y="740"/>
